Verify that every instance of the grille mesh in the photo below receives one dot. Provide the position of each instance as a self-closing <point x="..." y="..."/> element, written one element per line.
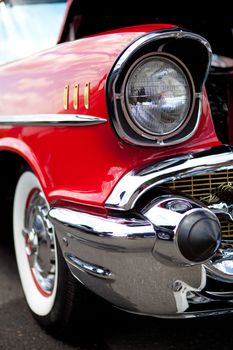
<point x="204" y="188"/>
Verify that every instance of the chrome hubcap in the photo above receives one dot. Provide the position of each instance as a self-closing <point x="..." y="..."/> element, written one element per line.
<point x="39" y="239"/>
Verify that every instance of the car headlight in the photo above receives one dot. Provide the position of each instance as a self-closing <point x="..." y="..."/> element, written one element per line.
<point x="158" y="97"/>
<point x="155" y="88"/>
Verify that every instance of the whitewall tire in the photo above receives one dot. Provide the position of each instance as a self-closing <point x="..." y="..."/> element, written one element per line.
<point x="55" y="298"/>
<point x="27" y="232"/>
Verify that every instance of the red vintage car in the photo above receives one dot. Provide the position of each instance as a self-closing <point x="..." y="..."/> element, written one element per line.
<point x="116" y="176"/>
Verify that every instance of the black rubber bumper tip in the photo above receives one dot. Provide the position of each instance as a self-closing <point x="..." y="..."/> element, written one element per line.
<point x="199" y="236"/>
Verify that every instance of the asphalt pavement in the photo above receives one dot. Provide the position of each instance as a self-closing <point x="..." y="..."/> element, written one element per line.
<point x="120" y="331"/>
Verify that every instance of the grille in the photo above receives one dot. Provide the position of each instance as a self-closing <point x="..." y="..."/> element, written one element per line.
<point x="205" y="188"/>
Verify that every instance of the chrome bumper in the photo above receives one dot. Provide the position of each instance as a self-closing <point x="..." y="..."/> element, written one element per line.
<point x="138" y="257"/>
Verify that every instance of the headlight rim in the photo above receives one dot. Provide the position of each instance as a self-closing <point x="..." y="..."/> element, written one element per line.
<point x="133" y="124"/>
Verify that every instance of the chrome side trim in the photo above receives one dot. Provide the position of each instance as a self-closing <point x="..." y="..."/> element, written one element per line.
<point x="92" y="269"/>
<point x="51" y="119"/>
<point x="135" y="183"/>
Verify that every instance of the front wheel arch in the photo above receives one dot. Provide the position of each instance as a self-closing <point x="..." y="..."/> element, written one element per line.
<point x="79" y="306"/>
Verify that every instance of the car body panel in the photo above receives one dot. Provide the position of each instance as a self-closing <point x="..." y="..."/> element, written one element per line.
<point x="79" y="163"/>
<point x="132" y="188"/>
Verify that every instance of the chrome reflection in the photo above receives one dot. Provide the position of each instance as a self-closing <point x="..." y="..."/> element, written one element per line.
<point x="136" y="183"/>
<point x="92" y="269"/>
<point x="119" y="251"/>
<point x="220" y="266"/>
<point x="39" y="236"/>
<point x="51" y="120"/>
<point x="111" y="232"/>
<point x="222" y="209"/>
<point x="136" y="252"/>
<point x="184" y="293"/>
<point x="177" y="221"/>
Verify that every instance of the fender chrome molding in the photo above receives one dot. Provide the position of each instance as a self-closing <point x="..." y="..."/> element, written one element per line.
<point x="135" y="183"/>
<point x="51" y="120"/>
<point x="175" y="33"/>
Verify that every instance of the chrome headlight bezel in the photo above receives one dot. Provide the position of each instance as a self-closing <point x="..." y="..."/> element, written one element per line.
<point x="124" y="103"/>
<point x="191" y="52"/>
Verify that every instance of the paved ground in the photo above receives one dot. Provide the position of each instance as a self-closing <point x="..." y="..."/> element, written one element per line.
<point x="120" y="331"/>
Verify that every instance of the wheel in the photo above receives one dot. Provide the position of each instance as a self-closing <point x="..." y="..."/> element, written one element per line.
<point x="52" y="293"/>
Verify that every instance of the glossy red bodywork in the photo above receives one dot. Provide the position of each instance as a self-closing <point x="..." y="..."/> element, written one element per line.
<point x="80" y="164"/>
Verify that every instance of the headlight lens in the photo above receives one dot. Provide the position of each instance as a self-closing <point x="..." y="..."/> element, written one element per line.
<point x="158" y="96"/>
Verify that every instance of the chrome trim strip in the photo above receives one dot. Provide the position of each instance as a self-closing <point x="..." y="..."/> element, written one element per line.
<point x="92" y="269"/>
<point x="51" y="119"/>
<point x="135" y="183"/>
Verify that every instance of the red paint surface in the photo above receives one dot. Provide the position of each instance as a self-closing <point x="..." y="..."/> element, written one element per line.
<point x="82" y="164"/>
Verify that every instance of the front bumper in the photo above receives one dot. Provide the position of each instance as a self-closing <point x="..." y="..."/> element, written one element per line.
<point x="134" y="257"/>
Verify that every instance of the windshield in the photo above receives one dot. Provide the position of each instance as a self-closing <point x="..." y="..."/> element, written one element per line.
<point x="28" y="26"/>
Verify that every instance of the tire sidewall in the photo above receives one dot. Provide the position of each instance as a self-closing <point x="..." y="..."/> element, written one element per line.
<point x="39" y="304"/>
